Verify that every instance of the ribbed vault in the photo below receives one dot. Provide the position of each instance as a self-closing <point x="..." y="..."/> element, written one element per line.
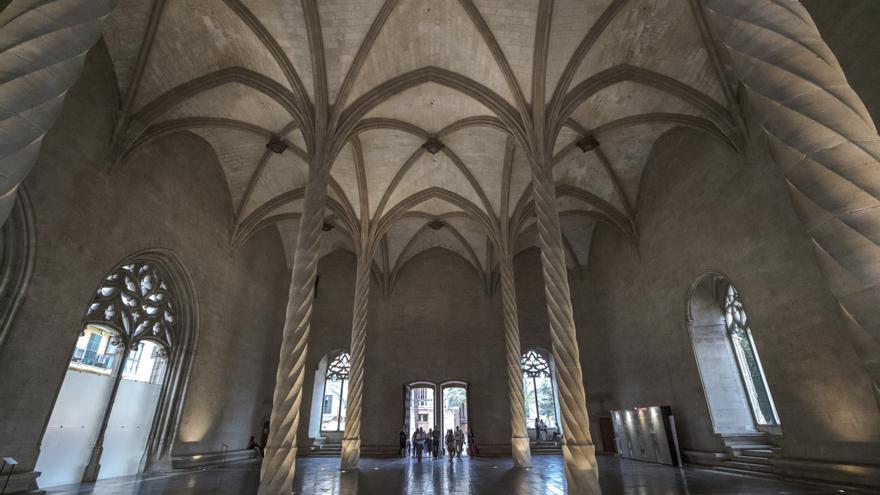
<point x="248" y="76"/>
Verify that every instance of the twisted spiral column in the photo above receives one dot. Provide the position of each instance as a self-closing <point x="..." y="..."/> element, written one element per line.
<point x="519" y="441"/>
<point x="578" y="451"/>
<point x="42" y="48"/>
<point x="351" y="441"/>
<point x="825" y="142"/>
<point x="276" y="474"/>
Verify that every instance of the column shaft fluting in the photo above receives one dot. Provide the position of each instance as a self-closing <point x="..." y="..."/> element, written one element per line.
<point x="578" y="451"/>
<point x="276" y="475"/>
<point x="42" y="51"/>
<point x="351" y="441"/>
<point x="824" y="141"/>
<point x="519" y="435"/>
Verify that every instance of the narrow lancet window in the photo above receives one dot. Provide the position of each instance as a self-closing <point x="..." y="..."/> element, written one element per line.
<point x="539" y="392"/>
<point x="335" y="394"/>
<point x="748" y="360"/>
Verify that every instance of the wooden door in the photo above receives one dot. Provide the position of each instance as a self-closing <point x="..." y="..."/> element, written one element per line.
<point x="606" y="427"/>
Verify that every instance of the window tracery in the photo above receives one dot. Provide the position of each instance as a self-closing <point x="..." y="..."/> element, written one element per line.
<point x="538" y="390"/>
<point x="335" y="393"/>
<point x="535" y="365"/>
<point x="136" y="301"/>
<point x="338" y="368"/>
<point x="747" y="358"/>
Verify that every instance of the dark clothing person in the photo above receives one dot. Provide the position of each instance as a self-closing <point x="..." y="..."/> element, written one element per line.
<point x="253" y="445"/>
<point x="472" y="443"/>
<point x="402" y="443"/>
<point x="437" y="444"/>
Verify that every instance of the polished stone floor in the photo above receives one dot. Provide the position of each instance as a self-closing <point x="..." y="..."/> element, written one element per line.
<point x="321" y="476"/>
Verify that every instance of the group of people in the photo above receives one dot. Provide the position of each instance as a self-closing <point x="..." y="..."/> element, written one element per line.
<point x="431" y="444"/>
<point x="541" y="431"/>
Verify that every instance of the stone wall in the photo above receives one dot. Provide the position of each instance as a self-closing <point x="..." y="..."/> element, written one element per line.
<point x="438" y="324"/>
<point x="89" y="217"/>
<point x="703" y="208"/>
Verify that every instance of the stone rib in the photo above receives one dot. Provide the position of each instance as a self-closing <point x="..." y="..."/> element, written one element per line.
<point x="42" y="49"/>
<point x="522" y="456"/>
<point x="276" y="476"/>
<point x="830" y="157"/>
<point x="351" y="441"/>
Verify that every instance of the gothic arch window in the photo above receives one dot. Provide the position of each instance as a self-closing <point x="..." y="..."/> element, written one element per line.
<point x="335" y="396"/>
<point x="127" y="374"/>
<point x="747" y="358"/>
<point x="539" y="389"/>
<point x="737" y="393"/>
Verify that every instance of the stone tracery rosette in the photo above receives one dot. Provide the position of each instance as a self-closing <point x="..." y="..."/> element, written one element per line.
<point x="137" y="303"/>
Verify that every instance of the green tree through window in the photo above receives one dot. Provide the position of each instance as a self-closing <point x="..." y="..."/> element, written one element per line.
<point x="538" y="389"/>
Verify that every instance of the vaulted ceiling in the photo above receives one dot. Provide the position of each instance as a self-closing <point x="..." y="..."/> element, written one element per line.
<point x="246" y="73"/>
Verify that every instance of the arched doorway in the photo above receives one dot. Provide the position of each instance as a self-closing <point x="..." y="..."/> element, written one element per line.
<point x="420" y="407"/>
<point x="737" y="392"/>
<point x="118" y="408"/>
<point x="455" y="410"/>
<point x="429" y="405"/>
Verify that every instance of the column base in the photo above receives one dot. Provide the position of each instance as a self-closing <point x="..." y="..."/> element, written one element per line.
<point x="281" y="484"/>
<point x="94" y="466"/>
<point x="580" y="469"/>
<point x="351" y="453"/>
<point x="521" y="452"/>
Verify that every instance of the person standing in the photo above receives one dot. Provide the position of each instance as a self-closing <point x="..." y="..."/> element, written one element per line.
<point x="537" y="429"/>
<point x="429" y="443"/>
<point x="459" y="441"/>
<point x="472" y="443"/>
<point x="402" y="443"/>
<point x="450" y="444"/>
<point x="418" y="441"/>
<point x="437" y="443"/>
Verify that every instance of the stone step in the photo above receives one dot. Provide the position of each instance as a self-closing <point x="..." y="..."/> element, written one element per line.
<point x="546" y="450"/>
<point x="757" y="441"/>
<point x="748" y="467"/>
<point x="324" y="451"/>
<point x="764" y="453"/>
<point x="764" y="461"/>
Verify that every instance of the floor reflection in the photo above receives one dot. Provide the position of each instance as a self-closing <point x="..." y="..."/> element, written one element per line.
<point x="440" y="477"/>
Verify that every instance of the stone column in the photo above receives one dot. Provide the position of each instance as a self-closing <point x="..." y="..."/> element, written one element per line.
<point x="519" y="438"/>
<point x="42" y="49"/>
<point x="351" y="440"/>
<point x="276" y="474"/>
<point x="578" y="451"/>
<point x="823" y="140"/>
